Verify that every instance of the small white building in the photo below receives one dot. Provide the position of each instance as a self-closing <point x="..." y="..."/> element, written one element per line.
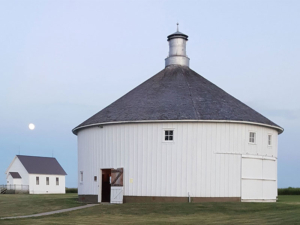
<point x="42" y="175"/>
<point x="177" y="137"/>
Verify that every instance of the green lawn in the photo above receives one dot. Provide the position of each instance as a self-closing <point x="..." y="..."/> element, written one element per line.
<point x="285" y="211"/>
<point x="23" y="204"/>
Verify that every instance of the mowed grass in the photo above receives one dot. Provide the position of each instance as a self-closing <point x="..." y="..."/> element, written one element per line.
<point x="285" y="211"/>
<point x="24" y="204"/>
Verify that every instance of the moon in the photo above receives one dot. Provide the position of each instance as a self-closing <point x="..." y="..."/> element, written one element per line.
<point x="31" y="126"/>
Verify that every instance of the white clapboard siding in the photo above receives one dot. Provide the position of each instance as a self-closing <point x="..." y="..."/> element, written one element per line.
<point x="204" y="160"/>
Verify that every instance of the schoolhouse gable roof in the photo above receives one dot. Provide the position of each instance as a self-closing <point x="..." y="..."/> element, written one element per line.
<point x="41" y="165"/>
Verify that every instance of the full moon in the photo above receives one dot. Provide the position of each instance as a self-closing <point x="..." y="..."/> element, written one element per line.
<point x="31" y="126"/>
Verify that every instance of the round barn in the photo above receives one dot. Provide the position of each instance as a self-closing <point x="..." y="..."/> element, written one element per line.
<point x="177" y="137"/>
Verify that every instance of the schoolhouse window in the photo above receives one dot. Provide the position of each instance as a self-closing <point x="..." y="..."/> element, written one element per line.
<point x="252" y="137"/>
<point x="37" y="181"/>
<point x="57" y="181"/>
<point x="47" y="180"/>
<point x="269" y="139"/>
<point x="169" y="135"/>
<point x="81" y="176"/>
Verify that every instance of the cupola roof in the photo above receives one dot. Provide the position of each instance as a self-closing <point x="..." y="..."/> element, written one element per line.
<point x="178" y="34"/>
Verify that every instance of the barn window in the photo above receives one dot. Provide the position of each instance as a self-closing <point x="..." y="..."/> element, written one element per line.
<point x="57" y="181"/>
<point x="169" y="135"/>
<point x="269" y="139"/>
<point x="47" y="180"/>
<point x="37" y="181"/>
<point x="252" y="137"/>
<point x="81" y="176"/>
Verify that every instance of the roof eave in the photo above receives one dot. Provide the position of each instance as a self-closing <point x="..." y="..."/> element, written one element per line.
<point x="278" y="128"/>
<point x="49" y="174"/>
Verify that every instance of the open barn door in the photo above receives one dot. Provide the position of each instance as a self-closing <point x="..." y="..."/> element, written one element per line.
<point x="105" y="185"/>
<point x="116" y="193"/>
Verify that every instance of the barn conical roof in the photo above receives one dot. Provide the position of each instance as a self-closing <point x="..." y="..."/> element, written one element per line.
<point x="177" y="93"/>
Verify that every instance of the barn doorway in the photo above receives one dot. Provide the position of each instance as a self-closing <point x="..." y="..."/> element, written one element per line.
<point x="106" y="186"/>
<point x="111" y="189"/>
<point x="259" y="178"/>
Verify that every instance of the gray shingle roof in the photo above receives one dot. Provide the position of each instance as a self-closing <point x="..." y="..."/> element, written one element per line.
<point x="15" y="175"/>
<point x="177" y="93"/>
<point x="41" y="165"/>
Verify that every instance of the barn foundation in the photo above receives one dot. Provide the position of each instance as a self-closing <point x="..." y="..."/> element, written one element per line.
<point x="88" y="198"/>
<point x="150" y="199"/>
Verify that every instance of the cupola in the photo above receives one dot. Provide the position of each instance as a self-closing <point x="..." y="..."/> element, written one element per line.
<point x="177" y="49"/>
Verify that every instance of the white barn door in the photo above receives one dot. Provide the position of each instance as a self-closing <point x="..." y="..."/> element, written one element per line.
<point x="259" y="178"/>
<point x="116" y="193"/>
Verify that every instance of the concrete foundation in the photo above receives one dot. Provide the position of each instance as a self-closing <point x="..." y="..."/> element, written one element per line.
<point x="143" y="199"/>
<point x="88" y="198"/>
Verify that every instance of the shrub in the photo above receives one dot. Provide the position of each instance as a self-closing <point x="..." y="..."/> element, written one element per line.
<point x="289" y="191"/>
<point x="71" y="190"/>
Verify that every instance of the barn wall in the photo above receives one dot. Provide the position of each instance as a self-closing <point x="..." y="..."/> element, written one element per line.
<point x="204" y="160"/>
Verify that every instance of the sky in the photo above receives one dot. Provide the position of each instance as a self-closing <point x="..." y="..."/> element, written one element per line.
<point x="63" y="61"/>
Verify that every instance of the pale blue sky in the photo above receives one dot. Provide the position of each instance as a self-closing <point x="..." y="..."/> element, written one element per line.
<point x="63" y="61"/>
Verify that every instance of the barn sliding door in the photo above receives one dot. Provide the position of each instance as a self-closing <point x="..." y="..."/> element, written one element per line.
<point x="116" y="193"/>
<point x="259" y="178"/>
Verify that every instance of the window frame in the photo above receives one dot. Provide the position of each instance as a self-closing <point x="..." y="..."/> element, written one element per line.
<point x="81" y="177"/>
<point x="47" y="181"/>
<point x="57" y="181"/>
<point x="164" y="135"/>
<point x="270" y="141"/>
<point x="254" y="138"/>
<point x="37" y="180"/>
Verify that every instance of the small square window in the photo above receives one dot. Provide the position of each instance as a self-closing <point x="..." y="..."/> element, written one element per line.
<point x="269" y="139"/>
<point x="57" y="180"/>
<point x="37" y="181"/>
<point x="95" y="178"/>
<point x="252" y="137"/>
<point x="169" y="135"/>
<point x="47" y="180"/>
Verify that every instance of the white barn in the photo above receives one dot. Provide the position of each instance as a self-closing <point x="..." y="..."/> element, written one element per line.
<point x="175" y="138"/>
<point x="42" y="175"/>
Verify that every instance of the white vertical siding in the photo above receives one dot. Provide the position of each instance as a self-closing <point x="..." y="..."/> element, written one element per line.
<point x="204" y="159"/>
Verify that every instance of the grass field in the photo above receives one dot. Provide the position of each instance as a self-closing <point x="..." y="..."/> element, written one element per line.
<point x="19" y="205"/>
<point x="285" y="211"/>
